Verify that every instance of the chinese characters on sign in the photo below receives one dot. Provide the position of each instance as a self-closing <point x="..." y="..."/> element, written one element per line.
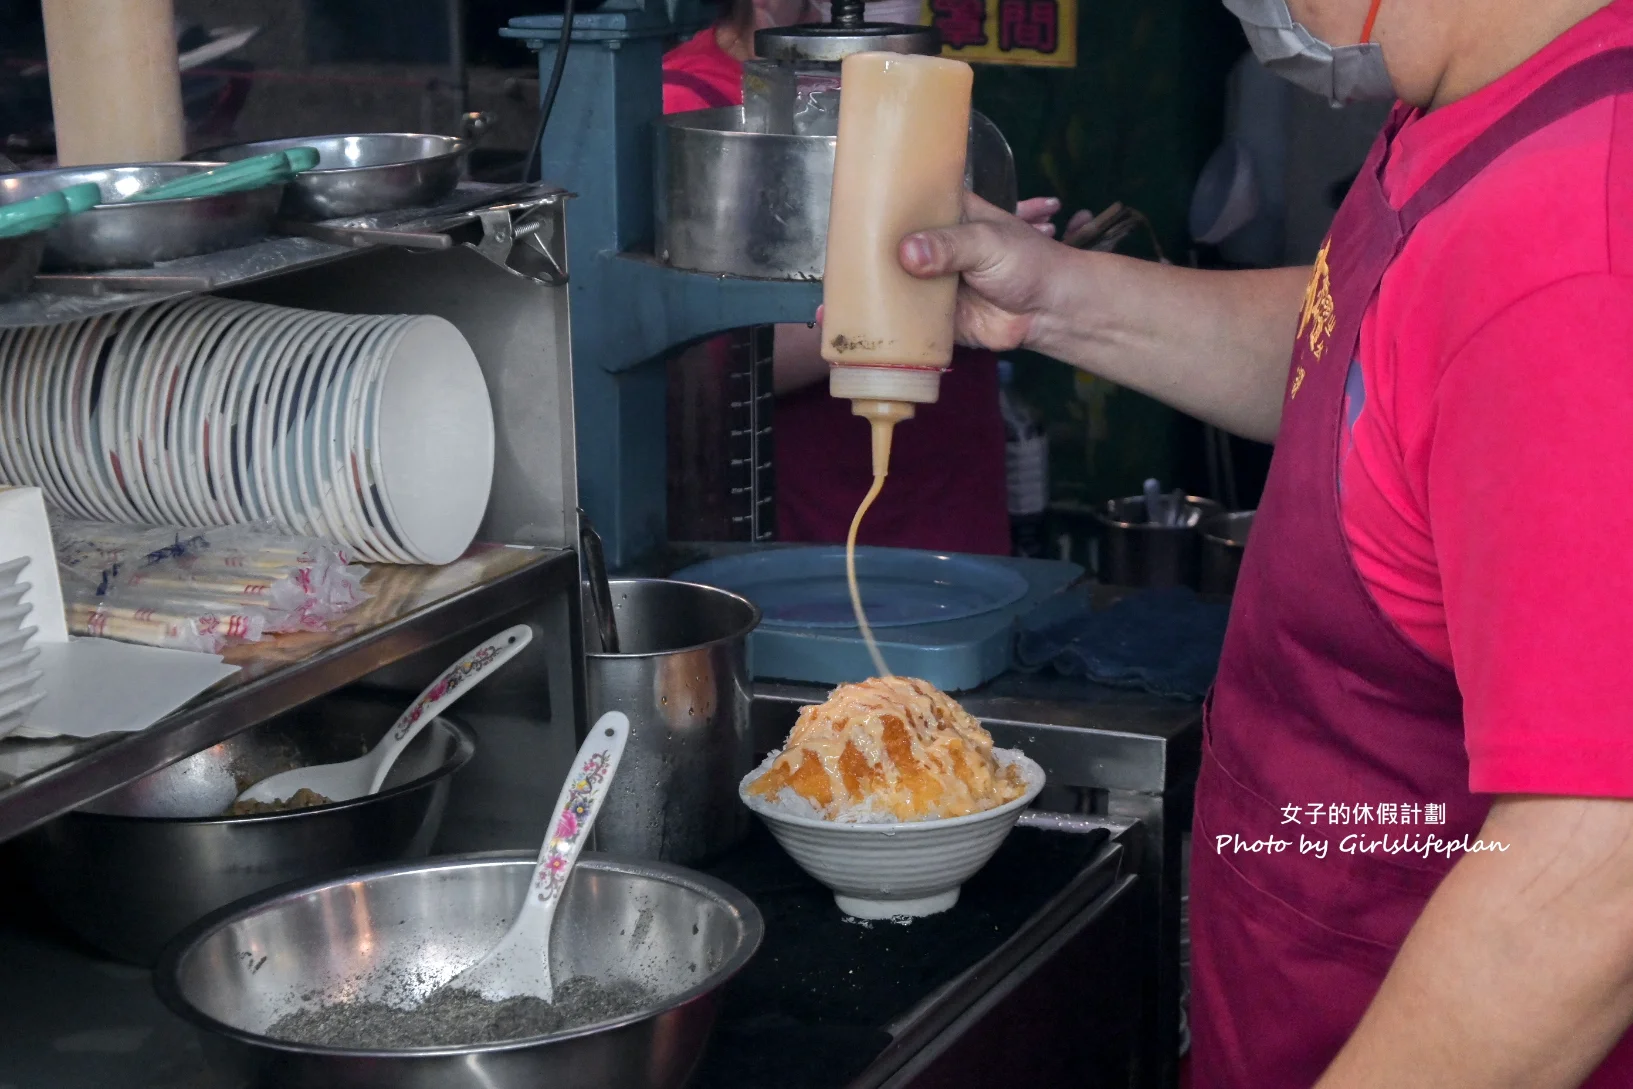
<point x="1364" y="813"/>
<point x="1029" y="24"/>
<point x="1030" y="32"/>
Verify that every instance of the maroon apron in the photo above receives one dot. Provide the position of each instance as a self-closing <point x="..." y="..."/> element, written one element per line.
<point x="1321" y="701"/>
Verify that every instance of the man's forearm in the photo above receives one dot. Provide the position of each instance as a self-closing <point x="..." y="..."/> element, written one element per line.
<point x="1215" y="345"/>
<point x="1519" y="973"/>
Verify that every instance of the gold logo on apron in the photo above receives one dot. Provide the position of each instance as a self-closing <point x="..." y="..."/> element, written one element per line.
<point x="1318" y="317"/>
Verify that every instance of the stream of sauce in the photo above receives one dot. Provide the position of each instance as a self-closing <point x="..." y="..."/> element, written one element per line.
<point x="880" y="669"/>
<point x="882" y="416"/>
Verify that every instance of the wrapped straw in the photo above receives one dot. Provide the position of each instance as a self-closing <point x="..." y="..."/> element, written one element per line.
<point x="200" y="589"/>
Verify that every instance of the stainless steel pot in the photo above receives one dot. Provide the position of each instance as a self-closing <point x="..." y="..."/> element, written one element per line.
<point x="1224" y="541"/>
<point x="172" y="870"/>
<point x="681" y="675"/>
<point x="1133" y="552"/>
<point x="755" y="204"/>
<point x="120" y="234"/>
<point x="403" y="931"/>
<point x="364" y="172"/>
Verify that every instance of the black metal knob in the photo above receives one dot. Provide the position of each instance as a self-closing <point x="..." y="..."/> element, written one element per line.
<point x="848" y="13"/>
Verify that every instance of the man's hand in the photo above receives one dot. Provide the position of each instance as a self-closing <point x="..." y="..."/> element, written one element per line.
<point x="1005" y="262"/>
<point x="1040" y="212"/>
<point x="798" y="362"/>
<point x="1519" y="973"/>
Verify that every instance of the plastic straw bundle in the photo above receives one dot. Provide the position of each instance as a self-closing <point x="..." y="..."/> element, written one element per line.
<point x="200" y="589"/>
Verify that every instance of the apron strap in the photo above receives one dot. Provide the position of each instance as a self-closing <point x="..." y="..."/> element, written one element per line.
<point x="1599" y="77"/>
<point x="705" y="90"/>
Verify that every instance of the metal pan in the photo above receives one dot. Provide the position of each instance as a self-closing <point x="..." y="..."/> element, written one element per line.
<point x="139" y="234"/>
<point x="362" y="173"/>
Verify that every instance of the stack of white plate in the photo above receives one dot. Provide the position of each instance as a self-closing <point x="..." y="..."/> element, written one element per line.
<point x="19" y="680"/>
<point x="370" y="431"/>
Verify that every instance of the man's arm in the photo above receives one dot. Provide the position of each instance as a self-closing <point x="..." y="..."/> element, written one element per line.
<point x="1519" y="973"/>
<point x="1215" y="345"/>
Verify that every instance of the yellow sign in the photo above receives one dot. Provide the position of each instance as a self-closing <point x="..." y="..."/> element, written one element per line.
<point x="1041" y="33"/>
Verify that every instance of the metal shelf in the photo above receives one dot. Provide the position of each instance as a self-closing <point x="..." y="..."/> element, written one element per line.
<point x="70" y="296"/>
<point x="412" y="608"/>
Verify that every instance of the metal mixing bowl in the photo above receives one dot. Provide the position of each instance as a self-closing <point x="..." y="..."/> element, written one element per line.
<point x="412" y="927"/>
<point x="121" y="234"/>
<point x="162" y="842"/>
<point x="364" y="172"/>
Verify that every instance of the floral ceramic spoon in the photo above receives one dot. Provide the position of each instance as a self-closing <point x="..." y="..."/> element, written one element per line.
<point x="355" y="778"/>
<point x="520" y="963"/>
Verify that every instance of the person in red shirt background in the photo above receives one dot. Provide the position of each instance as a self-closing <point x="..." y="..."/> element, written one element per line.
<point x="946" y="489"/>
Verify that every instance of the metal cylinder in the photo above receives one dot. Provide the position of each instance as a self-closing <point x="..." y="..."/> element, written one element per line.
<point x="682" y="678"/>
<point x="1134" y="552"/>
<point x="1224" y="540"/>
<point x="748" y="203"/>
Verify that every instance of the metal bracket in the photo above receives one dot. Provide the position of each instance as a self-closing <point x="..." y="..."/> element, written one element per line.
<point x="496" y="235"/>
<point x="522" y="235"/>
<point x="527" y="238"/>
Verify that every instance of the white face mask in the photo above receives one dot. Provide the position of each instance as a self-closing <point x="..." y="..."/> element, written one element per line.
<point x="1340" y="74"/>
<point x="910" y="12"/>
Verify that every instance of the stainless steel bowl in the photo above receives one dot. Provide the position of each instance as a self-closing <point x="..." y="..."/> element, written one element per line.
<point x="162" y="842"/>
<point x="364" y="172"/>
<point x="410" y="928"/>
<point x="142" y="233"/>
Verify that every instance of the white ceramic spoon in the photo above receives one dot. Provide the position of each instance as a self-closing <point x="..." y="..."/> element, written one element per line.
<point x="520" y="963"/>
<point x="355" y="778"/>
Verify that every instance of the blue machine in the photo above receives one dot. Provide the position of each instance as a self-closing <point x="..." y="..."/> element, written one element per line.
<point x="629" y="312"/>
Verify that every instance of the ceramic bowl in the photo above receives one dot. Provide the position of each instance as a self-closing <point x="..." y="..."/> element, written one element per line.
<point x="899" y="869"/>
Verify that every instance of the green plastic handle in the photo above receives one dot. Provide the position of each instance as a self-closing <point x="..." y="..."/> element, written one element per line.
<point x="46" y="210"/>
<point x="301" y="158"/>
<point x="82" y="197"/>
<point x="251" y="173"/>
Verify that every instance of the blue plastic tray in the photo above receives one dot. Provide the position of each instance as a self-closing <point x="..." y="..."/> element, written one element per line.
<point x="948" y="619"/>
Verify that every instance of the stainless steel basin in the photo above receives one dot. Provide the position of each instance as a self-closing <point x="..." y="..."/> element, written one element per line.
<point x="397" y="933"/>
<point x="748" y="203"/>
<point x="163" y="843"/>
<point x="136" y="234"/>
<point x="364" y="172"/>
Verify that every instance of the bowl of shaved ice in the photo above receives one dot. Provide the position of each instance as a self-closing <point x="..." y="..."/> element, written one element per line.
<point x="891" y="795"/>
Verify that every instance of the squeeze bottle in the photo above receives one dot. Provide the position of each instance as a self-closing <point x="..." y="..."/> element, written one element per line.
<point x="904" y="125"/>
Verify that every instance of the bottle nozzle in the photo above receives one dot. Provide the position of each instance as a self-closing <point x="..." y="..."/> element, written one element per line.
<point x="884" y="416"/>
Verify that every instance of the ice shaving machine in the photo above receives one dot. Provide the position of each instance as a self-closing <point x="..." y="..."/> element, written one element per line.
<point x="688" y="225"/>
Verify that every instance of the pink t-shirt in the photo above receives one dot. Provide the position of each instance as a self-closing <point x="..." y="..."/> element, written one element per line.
<point x="1488" y="463"/>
